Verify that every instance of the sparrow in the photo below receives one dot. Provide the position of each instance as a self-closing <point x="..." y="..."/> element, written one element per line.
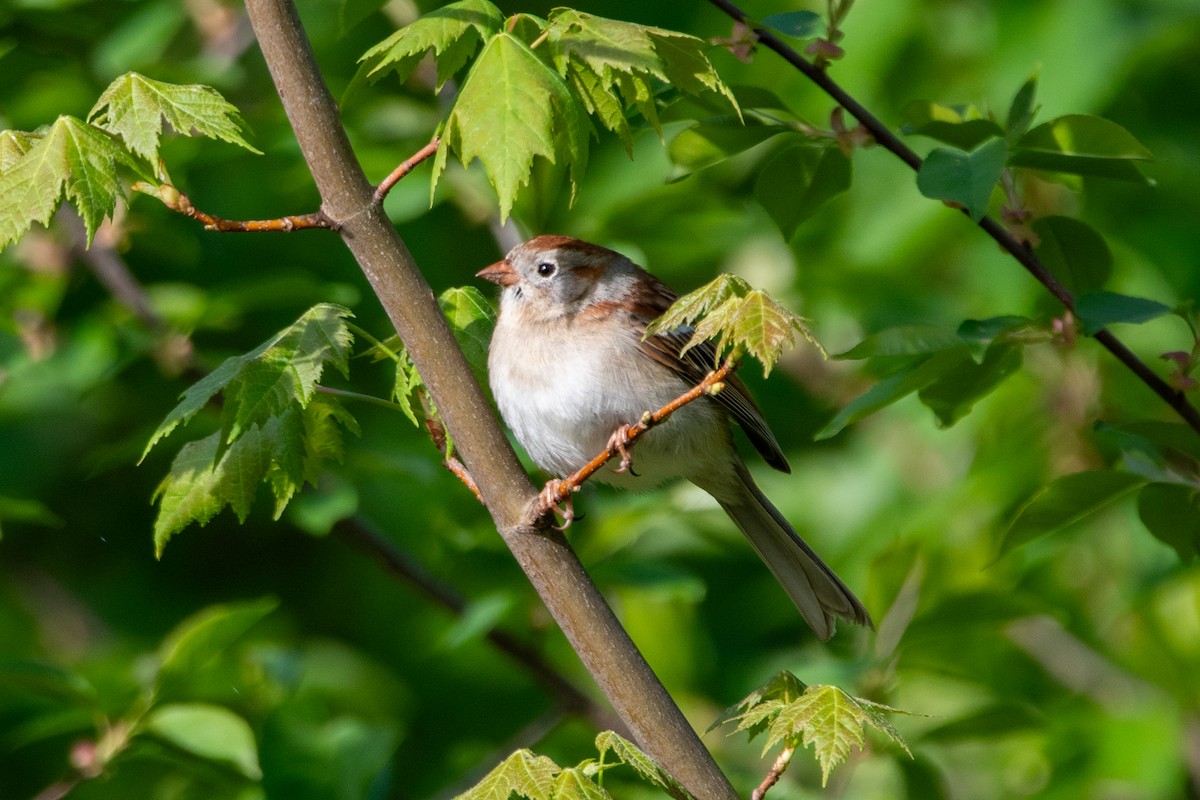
<point x="570" y="367"/>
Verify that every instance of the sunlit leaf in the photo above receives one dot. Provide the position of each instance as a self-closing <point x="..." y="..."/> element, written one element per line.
<point x="71" y="160"/>
<point x="522" y="773"/>
<point x="453" y="33"/>
<point x="471" y="318"/>
<point x="573" y="784"/>
<point x="644" y="765"/>
<point x="1065" y="502"/>
<point x="829" y="720"/>
<point x="135" y="107"/>
<point x="965" y="178"/>
<point x="13" y="145"/>
<point x="284" y="369"/>
<point x="783" y="687"/>
<point x="739" y="319"/>
<point x="511" y="109"/>
<point x="208" y="732"/>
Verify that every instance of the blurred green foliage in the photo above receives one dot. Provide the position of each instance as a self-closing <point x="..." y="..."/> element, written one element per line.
<point x="1064" y="669"/>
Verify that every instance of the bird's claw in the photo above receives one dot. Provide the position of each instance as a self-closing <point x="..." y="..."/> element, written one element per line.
<point x="557" y="496"/>
<point x="619" y="441"/>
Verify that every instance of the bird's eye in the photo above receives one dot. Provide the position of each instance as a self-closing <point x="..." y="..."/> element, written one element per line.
<point x="546" y="269"/>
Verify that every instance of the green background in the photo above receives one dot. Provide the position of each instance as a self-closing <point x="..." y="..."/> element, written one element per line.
<point x="1065" y="669"/>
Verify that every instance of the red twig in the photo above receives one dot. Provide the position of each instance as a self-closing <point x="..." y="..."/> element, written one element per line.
<point x="176" y="200"/>
<point x="772" y="778"/>
<point x="385" y="186"/>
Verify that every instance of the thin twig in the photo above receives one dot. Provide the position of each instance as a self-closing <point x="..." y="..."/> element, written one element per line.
<point x="385" y="186"/>
<point x="1025" y="255"/>
<point x="176" y="200"/>
<point x="559" y="491"/>
<point x="361" y="537"/>
<point x="772" y="778"/>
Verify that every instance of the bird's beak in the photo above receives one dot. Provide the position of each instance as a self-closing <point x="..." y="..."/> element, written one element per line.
<point x="501" y="273"/>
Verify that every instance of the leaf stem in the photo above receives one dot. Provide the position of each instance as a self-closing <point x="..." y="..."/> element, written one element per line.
<point x="365" y="398"/>
<point x="1021" y="252"/>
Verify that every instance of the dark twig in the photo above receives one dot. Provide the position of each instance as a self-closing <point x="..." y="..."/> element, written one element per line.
<point x="385" y="186"/>
<point x="890" y="141"/>
<point x="361" y="537"/>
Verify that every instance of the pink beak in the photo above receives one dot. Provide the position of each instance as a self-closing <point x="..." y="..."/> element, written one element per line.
<point x="501" y="273"/>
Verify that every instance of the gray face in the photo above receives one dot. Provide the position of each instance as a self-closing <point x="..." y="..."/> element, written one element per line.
<point x="564" y="274"/>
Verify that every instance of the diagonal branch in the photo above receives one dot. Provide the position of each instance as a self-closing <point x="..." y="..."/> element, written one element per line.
<point x="885" y="137"/>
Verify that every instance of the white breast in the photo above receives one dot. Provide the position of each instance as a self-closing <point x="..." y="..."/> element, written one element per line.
<point x="563" y="394"/>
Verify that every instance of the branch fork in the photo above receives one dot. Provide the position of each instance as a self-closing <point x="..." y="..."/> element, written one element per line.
<point x="176" y="200"/>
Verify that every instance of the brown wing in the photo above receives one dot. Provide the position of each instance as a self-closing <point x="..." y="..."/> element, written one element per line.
<point x="698" y="362"/>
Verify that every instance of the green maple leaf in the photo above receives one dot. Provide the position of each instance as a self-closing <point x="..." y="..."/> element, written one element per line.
<point x="453" y="33"/>
<point x="274" y="428"/>
<point x="644" y="765"/>
<point x="13" y="145"/>
<point x="285" y="451"/>
<point x="281" y="371"/>
<point x="598" y="99"/>
<point x="603" y="57"/>
<point x="825" y="717"/>
<point x="513" y="108"/>
<point x="780" y="689"/>
<point x="198" y="485"/>
<point x="832" y="722"/>
<point x="523" y="773"/>
<point x="134" y="107"/>
<point x="738" y="318"/>
<point x="71" y="159"/>
<point x="573" y="784"/>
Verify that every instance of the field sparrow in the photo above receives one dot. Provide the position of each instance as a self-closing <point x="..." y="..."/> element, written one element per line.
<point x="568" y="367"/>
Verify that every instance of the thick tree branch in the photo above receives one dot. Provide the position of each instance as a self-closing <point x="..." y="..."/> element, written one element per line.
<point x="552" y="567"/>
<point x="1020" y="251"/>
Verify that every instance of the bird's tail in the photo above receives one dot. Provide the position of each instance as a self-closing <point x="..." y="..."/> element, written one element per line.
<point x="814" y="588"/>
